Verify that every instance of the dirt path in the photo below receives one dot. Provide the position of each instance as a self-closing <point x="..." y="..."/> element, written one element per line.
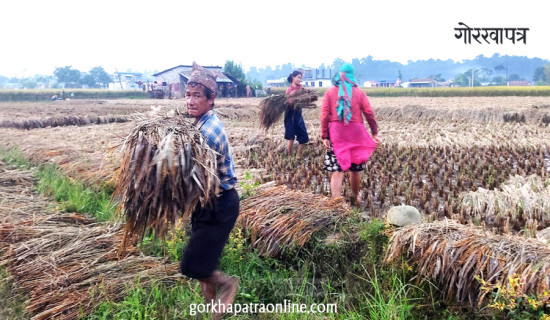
<point x="66" y="264"/>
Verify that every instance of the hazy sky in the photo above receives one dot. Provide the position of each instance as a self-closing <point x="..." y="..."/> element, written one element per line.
<point x="39" y="35"/>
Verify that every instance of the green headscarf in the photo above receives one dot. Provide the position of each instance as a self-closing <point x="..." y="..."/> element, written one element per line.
<point x="345" y="80"/>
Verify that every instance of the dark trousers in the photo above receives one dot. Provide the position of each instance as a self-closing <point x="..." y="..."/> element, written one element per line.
<point x="210" y="228"/>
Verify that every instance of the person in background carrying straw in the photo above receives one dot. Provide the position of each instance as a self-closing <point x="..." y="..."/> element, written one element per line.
<point x="295" y="127"/>
<point x="344" y="135"/>
<point x="211" y="224"/>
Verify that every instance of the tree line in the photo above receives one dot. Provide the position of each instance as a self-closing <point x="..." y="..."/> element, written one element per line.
<point x="63" y="77"/>
<point x="495" y="70"/>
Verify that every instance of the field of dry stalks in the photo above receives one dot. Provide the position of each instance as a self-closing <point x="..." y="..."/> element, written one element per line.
<point x="434" y="150"/>
<point x="476" y="160"/>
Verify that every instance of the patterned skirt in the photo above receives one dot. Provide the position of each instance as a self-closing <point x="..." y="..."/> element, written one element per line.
<point x="351" y="144"/>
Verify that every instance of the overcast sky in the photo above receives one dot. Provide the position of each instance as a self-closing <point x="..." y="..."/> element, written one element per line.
<point x="40" y="35"/>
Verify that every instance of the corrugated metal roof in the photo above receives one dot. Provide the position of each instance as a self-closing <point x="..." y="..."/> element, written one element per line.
<point x="220" y="77"/>
<point x="422" y="80"/>
<point x="185" y="67"/>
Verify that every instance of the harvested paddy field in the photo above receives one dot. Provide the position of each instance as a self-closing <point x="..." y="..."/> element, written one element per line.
<point x="482" y="162"/>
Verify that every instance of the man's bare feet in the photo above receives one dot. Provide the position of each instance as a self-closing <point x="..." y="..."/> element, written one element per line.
<point x="227" y="290"/>
<point x="208" y="291"/>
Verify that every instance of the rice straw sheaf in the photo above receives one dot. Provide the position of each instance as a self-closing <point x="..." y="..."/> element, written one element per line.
<point x="457" y="255"/>
<point x="61" y="121"/>
<point x="278" y="217"/>
<point x="167" y="169"/>
<point x="523" y="202"/>
<point x="67" y="265"/>
<point x="302" y="98"/>
<point x="273" y="107"/>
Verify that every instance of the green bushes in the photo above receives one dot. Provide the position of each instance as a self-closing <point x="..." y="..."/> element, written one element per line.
<point x="46" y="94"/>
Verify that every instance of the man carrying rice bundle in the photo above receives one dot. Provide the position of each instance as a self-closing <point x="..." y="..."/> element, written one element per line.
<point x="211" y="224"/>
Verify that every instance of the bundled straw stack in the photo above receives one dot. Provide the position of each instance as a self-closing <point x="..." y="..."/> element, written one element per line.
<point x="167" y="169"/>
<point x="272" y="107"/>
<point x="278" y="217"/>
<point x="521" y="203"/>
<point x="455" y="255"/>
<point x="67" y="265"/>
<point x="61" y="121"/>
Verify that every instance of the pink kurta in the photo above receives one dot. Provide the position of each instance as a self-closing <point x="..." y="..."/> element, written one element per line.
<point x="351" y="143"/>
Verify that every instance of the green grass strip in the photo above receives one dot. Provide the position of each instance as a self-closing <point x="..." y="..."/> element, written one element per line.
<point x="496" y="91"/>
<point x="46" y="94"/>
<point x="72" y="195"/>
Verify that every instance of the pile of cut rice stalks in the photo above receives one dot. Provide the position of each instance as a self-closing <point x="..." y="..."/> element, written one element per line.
<point x="67" y="265"/>
<point x="279" y="218"/>
<point x="167" y="169"/>
<point x="459" y="257"/>
<point x="61" y="121"/>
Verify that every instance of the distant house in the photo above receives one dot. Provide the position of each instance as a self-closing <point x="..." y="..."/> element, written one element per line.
<point x="447" y="83"/>
<point x="277" y="83"/>
<point x="422" y="83"/>
<point x="174" y="81"/>
<point x="321" y="78"/>
<point x="386" y="83"/>
<point x="381" y="84"/>
<point x="127" y="81"/>
<point x="519" y="83"/>
<point x="370" y="84"/>
<point x="426" y="83"/>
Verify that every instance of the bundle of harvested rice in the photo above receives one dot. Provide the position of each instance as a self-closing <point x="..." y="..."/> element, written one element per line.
<point x="278" y="217"/>
<point x="67" y="265"/>
<point x="273" y="107"/>
<point x="167" y="168"/>
<point x="457" y="256"/>
<point x="61" y="121"/>
<point x="112" y="284"/>
<point x="523" y="202"/>
<point x="303" y="98"/>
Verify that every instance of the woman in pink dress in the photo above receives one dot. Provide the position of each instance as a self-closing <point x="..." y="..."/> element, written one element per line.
<point x="348" y="143"/>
